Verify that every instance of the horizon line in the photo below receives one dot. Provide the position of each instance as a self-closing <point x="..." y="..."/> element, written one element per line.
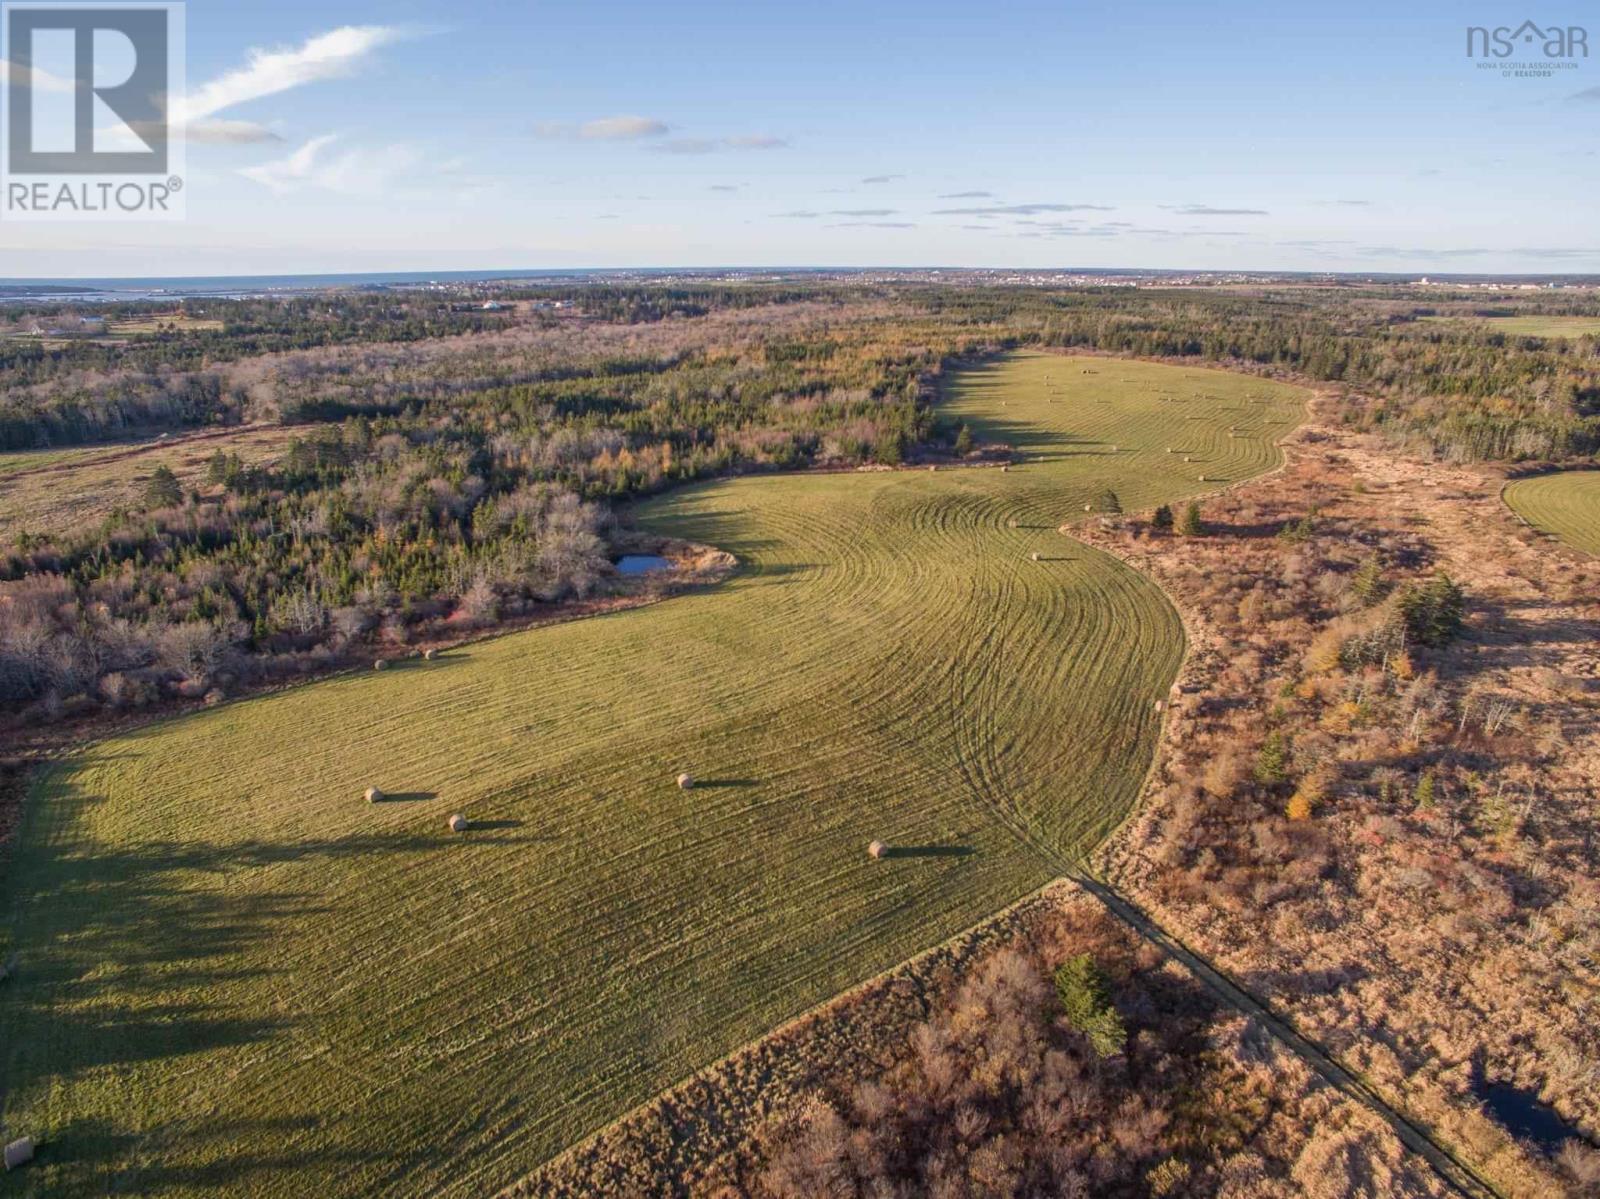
<point x="494" y="273"/>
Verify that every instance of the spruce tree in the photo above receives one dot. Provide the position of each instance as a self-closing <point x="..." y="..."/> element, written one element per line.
<point x="1272" y="763"/>
<point x="1368" y="584"/>
<point x="163" y="489"/>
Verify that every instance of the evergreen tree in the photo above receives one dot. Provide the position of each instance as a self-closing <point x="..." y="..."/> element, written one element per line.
<point x="1086" y="1004"/>
<point x="1191" y="525"/>
<point x="1425" y="795"/>
<point x="1107" y="501"/>
<point x="1432" y="614"/>
<point x="1272" y="762"/>
<point x="964" y="441"/>
<point x="1368" y="584"/>
<point x="163" y="489"/>
<point x="1162" y="519"/>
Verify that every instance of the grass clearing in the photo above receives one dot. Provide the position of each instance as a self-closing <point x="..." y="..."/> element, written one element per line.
<point x="1530" y="326"/>
<point x="1565" y="504"/>
<point x="236" y="974"/>
<point x="53" y="491"/>
<point x="156" y="323"/>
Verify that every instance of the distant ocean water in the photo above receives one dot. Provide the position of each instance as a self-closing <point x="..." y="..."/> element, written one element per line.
<point x="228" y="286"/>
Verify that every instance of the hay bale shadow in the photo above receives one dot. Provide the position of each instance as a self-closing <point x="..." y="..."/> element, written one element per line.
<point x="409" y="796"/>
<point x="455" y="657"/>
<point x="703" y="784"/>
<point x="929" y="851"/>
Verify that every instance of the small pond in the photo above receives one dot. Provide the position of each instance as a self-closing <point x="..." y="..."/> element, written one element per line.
<point x="1520" y="1112"/>
<point x="642" y="564"/>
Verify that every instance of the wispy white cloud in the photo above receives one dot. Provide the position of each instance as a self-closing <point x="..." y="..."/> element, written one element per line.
<point x="711" y="145"/>
<point x="1208" y="210"/>
<point x="39" y="80"/>
<point x="219" y="131"/>
<point x="358" y="171"/>
<point x="1021" y="209"/>
<point x="332" y="55"/>
<point x="605" y="129"/>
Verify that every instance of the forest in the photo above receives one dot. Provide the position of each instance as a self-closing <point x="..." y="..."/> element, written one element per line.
<point x="457" y="464"/>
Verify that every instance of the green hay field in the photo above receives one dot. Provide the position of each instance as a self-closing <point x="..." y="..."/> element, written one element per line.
<point x="236" y="976"/>
<point x="1566" y="504"/>
<point x="1532" y="326"/>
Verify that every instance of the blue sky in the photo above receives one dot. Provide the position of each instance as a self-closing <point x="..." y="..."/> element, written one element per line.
<point x="345" y="135"/>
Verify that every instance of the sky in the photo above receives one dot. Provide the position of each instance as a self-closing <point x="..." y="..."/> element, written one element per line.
<point x="415" y="135"/>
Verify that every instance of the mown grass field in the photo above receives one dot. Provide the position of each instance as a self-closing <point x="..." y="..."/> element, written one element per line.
<point x="1534" y="326"/>
<point x="55" y="491"/>
<point x="168" y="322"/>
<point x="237" y="976"/>
<point x="1565" y="504"/>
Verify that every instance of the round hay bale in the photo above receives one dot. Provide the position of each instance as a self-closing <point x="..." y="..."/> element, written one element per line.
<point x="876" y="850"/>
<point x="1202" y="478"/>
<point x="19" y="1152"/>
<point x="1006" y="469"/>
<point x="374" y="795"/>
<point x="1160" y="706"/>
<point x="458" y="823"/>
<point x="428" y="655"/>
<point x="1088" y="507"/>
<point x="931" y="469"/>
<point x="685" y="782"/>
<point x="380" y="664"/>
<point x="1012" y="523"/>
<point x="1034" y="555"/>
<point x="1187" y="458"/>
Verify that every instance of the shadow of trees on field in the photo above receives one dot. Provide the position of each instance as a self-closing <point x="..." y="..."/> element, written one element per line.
<point x="196" y="1155"/>
<point x="133" y="953"/>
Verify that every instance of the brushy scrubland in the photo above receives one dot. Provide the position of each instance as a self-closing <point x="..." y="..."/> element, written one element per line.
<point x="1376" y="801"/>
<point x="233" y="967"/>
<point x="969" y="1072"/>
